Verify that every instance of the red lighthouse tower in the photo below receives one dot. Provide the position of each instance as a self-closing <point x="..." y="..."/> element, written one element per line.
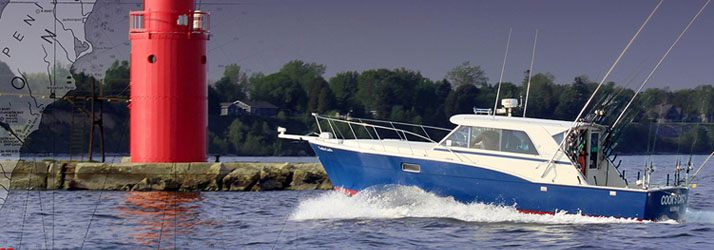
<point x="168" y="82"/>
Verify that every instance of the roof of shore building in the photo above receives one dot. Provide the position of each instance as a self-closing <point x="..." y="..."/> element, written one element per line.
<point x="254" y="104"/>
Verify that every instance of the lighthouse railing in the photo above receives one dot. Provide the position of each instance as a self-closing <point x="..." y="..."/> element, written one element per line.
<point x="136" y="22"/>
<point x="201" y="22"/>
<point x="193" y="22"/>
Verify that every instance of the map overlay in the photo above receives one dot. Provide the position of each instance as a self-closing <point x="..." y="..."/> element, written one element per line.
<point x="39" y="44"/>
<point x="43" y="42"/>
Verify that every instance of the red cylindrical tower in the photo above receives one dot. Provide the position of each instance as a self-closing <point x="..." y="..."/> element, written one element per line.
<point x="168" y="82"/>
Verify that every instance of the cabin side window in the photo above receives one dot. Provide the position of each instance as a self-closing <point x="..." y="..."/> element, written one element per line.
<point x="485" y="138"/>
<point x="459" y="138"/>
<point x="493" y="139"/>
<point x="515" y="141"/>
<point x="558" y="137"/>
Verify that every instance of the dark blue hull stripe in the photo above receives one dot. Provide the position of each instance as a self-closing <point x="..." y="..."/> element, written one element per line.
<point x="356" y="171"/>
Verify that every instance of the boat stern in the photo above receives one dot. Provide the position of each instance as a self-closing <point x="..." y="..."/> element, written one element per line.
<point x="666" y="203"/>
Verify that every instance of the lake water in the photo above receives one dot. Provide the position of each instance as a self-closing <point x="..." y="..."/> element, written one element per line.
<point x="395" y="217"/>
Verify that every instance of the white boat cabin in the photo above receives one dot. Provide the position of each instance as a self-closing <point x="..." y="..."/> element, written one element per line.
<point x="537" y="140"/>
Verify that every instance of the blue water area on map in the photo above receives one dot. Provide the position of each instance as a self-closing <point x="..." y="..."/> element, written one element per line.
<point x="395" y="217"/>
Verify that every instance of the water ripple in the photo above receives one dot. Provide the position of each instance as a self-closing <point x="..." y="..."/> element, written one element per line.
<point x="397" y="217"/>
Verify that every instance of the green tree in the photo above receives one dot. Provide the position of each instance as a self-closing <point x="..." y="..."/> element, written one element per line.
<point x="116" y="79"/>
<point x="405" y="83"/>
<point x="303" y="73"/>
<point x="704" y="102"/>
<point x="467" y="74"/>
<point x="344" y="85"/>
<point x="382" y="89"/>
<point x="652" y="99"/>
<point x="256" y="138"/>
<point x="282" y="117"/>
<point x="316" y="88"/>
<point x="544" y="96"/>
<point x="214" y="101"/>
<point x="82" y="82"/>
<point x="442" y="90"/>
<point x="368" y="84"/>
<point x="423" y="91"/>
<point x="701" y="144"/>
<point x="233" y="85"/>
<point x="462" y="100"/>
<point x="219" y="145"/>
<point x="326" y="101"/>
<point x="572" y="99"/>
<point x="384" y="102"/>
<point x="235" y="134"/>
<point x="280" y="90"/>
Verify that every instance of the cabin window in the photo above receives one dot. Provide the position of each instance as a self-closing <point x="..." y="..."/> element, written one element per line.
<point x="493" y="139"/>
<point x="485" y="138"/>
<point x="594" y="149"/>
<point x="558" y="138"/>
<point x="459" y="138"/>
<point x="515" y="141"/>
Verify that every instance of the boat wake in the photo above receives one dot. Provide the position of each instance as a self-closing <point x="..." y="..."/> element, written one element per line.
<point x="699" y="216"/>
<point x="394" y="201"/>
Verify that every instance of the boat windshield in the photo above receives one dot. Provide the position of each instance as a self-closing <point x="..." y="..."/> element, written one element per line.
<point x="459" y="137"/>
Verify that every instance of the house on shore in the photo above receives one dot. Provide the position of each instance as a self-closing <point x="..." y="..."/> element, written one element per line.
<point x="257" y="108"/>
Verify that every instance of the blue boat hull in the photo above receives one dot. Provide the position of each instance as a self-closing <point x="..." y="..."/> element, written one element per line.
<point x="355" y="171"/>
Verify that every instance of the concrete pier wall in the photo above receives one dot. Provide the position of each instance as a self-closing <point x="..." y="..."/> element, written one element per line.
<point x="229" y="176"/>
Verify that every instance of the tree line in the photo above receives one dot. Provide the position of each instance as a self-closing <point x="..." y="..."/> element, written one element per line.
<point x="678" y="121"/>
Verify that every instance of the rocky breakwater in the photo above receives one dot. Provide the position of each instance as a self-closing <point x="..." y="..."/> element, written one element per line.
<point x="229" y="176"/>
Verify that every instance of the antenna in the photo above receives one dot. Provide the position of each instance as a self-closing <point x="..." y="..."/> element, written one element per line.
<point x="530" y="73"/>
<point x="508" y="43"/>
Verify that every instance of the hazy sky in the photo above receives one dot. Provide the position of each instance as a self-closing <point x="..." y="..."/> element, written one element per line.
<point x="576" y="37"/>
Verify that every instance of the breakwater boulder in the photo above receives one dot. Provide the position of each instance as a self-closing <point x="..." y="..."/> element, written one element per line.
<point x="29" y="175"/>
<point x="126" y="176"/>
<point x="241" y="179"/>
<point x="275" y="176"/>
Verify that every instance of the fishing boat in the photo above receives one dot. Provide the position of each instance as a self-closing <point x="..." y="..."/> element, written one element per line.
<point x="490" y="159"/>
<point x="538" y="166"/>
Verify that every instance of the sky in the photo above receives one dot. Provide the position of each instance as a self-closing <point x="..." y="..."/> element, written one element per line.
<point x="576" y="37"/>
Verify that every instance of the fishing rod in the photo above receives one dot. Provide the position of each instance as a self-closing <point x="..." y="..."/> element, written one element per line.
<point x="691" y="152"/>
<point x="678" y="165"/>
<point x="649" y="76"/>
<point x="612" y="102"/>
<point x="660" y="61"/>
<point x="700" y="168"/>
<point x="617" y="61"/>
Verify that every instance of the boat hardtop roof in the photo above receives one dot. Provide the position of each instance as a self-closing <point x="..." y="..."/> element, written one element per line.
<point x="513" y="123"/>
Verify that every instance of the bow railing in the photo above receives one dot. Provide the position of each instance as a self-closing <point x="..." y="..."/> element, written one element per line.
<point x="356" y="129"/>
